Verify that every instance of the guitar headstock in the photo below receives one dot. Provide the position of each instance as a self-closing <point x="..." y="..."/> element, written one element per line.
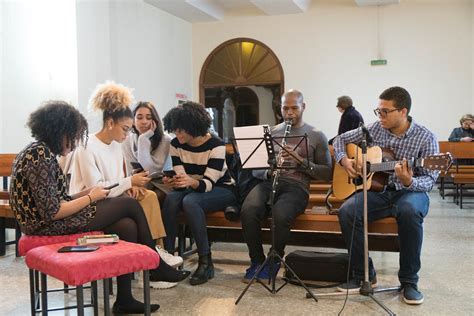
<point x="441" y="162"/>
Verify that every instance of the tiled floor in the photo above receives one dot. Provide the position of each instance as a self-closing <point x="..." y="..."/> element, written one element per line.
<point x="446" y="279"/>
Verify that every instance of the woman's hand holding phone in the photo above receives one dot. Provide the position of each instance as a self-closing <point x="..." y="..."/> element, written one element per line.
<point x="140" y="179"/>
<point x="98" y="193"/>
<point x="182" y="181"/>
<point x="168" y="177"/>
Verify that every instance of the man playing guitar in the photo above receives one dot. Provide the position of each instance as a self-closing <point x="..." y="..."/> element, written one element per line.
<point x="405" y="196"/>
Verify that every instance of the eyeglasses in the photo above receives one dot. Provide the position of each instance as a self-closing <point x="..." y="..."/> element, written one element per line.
<point x="383" y="112"/>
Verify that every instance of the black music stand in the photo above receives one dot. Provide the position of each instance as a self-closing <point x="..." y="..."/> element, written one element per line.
<point x="366" y="288"/>
<point x="272" y="255"/>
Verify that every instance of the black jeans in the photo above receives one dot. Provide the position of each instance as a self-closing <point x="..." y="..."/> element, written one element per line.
<point x="290" y="201"/>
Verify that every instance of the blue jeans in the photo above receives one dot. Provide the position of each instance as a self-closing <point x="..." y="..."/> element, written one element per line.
<point x="409" y="209"/>
<point x="290" y="201"/>
<point x="194" y="205"/>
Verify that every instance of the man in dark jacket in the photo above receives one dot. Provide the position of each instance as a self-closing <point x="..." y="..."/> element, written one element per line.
<point x="350" y="118"/>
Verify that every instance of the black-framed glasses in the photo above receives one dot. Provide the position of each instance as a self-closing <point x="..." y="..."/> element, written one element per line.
<point x="383" y="112"/>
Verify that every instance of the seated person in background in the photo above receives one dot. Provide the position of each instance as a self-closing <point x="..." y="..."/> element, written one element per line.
<point x="102" y="161"/>
<point x="350" y="118"/>
<point x="293" y="186"/>
<point x="405" y="197"/>
<point x="42" y="206"/>
<point x="465" y="133"/>
<point x="148" y="145"/>
<point x="202" y="182"/>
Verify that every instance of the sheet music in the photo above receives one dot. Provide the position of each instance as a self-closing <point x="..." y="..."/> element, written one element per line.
<point x="259" y="159"/>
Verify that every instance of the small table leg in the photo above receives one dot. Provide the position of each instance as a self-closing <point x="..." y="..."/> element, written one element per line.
<point x="106" y="297"/>
<point x="146" y="291"/>
<point x="32" y="293"/>
<point x="95" y="300"/>
<point x="44" y="295"/>
<point x="80" y="300"/>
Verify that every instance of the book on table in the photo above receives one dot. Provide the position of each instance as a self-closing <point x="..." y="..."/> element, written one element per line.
<point x="98" y="239"/>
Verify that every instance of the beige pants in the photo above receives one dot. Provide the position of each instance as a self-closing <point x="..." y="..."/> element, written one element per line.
<point x="152" y="210"/>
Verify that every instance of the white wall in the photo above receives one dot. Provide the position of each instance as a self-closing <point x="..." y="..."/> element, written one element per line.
<point x="38" y="62"/>
<point x="1" y="75"/>
<point x="136" y="44"/>
<point x="61" y="49"/>
<point x="326" y="53"/>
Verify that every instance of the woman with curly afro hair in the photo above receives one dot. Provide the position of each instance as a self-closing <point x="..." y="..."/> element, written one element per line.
<point x="42" y="205"/>
<point x="202" y="182"/>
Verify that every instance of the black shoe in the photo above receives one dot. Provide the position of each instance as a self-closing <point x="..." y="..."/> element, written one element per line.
<point x="133" y="309"/>
<point x="232" y="213"/>
<point x="411" y="294"/>
<point x="166" y="273"/>
<point x="204" y="271"/>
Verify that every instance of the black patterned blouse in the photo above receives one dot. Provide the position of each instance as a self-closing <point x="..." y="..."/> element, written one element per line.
<point x="37" y="188"/>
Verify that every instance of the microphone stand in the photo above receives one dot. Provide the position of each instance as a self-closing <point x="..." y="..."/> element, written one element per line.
<point x="366" y="288"/>
<point x="273" y="254"/>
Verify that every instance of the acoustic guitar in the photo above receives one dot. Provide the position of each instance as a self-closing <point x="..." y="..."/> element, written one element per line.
<point x="379" y="163"/>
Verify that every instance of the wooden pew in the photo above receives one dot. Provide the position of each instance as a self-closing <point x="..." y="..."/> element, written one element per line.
<point x="309" y="229"/>
<point x="458" y="173"/>
<point x="7" y="218"/>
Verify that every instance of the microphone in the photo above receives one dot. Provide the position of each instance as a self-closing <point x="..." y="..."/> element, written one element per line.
<point x="366" y="133"/>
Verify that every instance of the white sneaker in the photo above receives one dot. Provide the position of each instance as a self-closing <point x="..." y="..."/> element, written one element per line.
<point x="161" y="285"/>
<point x="173" y="261"/>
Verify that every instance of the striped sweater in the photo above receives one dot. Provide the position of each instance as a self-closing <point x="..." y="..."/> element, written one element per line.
<point x="205" y="163"/>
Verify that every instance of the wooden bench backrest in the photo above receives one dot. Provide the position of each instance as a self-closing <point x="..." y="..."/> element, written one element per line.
<point x="459" y="150"/>
<point x="6" y="163"/>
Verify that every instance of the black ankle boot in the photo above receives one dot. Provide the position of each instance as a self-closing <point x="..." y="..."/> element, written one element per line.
<point x="204" y="271"/>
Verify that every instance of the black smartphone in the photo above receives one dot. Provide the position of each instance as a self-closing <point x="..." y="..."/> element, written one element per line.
<point x="169" y="173"/>
<point x="137" y="167"/>
<point x="82" y="248"/>
<point x="111" y="186"/>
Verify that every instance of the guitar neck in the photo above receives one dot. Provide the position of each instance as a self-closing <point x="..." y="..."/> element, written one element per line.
<point x="389" y="165"/>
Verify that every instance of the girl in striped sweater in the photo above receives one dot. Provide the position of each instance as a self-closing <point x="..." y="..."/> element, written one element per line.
<point x="202" y="182"/>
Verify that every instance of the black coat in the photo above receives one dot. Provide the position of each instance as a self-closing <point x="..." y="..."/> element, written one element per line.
<point x="350" y="120"/>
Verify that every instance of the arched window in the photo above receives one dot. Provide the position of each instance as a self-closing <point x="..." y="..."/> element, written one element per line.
<point x="241" y="62"/>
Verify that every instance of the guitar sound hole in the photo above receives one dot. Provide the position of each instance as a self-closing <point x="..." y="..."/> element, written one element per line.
<point x="358" y="181"/>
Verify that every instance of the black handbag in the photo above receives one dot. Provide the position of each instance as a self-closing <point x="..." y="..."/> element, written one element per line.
<point x="317" y="266"/>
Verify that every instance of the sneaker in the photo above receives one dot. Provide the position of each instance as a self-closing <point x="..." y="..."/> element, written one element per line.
<point x="174" y="261"/>
<point x="353" y="286"/>
<point x="411" y="294"/>
<point x="161" y="285"/>
<point x="264" y="275"/>
<point x="250" y="272"/>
